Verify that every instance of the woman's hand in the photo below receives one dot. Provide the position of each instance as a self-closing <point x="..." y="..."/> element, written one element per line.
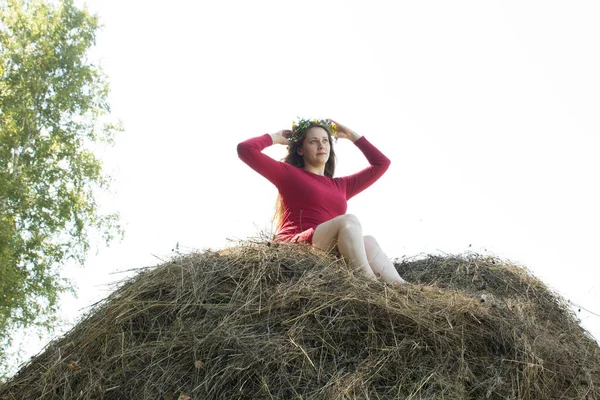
<point x="344" y="132"/>
<point x="281" y="137"/>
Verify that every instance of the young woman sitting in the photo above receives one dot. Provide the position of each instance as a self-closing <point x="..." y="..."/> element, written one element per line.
<point x="312" y="204"/>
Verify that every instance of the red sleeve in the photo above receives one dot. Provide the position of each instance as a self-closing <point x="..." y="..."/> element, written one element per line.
<point x="361" y="180"/>
<point x="250" y="152"/>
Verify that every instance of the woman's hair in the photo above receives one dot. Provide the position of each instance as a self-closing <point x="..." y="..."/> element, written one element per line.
<point x="296" y="160"/>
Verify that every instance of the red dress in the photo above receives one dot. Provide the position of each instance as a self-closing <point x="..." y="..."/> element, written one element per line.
<point x="310" y="199"/>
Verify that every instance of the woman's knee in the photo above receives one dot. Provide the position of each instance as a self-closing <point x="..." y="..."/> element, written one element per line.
<point x="349" y="221"/>
<point x="370" y="242"/>
<point x="327" y="234"/>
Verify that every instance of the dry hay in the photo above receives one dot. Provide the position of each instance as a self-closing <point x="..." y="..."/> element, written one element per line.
<point x="279" y="321"/>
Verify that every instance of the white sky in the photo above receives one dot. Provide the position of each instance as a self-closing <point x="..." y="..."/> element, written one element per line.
<point x="488" y="111"/>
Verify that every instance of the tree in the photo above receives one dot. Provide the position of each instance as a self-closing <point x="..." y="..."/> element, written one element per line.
<point x="53" y="111"/>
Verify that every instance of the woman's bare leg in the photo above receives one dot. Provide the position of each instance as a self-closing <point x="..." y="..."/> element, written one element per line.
<point x="344" y="231"/>
<point x="380" y="263"/>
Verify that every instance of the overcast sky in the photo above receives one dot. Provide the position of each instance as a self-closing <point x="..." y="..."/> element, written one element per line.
<point x="488" y="111"/>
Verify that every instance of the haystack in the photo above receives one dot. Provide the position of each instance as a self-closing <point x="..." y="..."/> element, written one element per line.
<point x="276" y="321"/>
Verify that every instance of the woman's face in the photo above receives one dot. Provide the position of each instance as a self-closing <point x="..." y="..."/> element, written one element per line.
<point x="316" y="146"/>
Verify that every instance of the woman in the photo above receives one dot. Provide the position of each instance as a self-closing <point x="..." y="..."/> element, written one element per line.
<point x="312" y="204"/>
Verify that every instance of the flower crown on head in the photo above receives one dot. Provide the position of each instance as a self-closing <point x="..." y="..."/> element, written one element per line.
<point x="298" y="128"/>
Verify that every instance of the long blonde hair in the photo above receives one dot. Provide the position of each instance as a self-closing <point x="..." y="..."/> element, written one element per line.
<point x="295" y="159"/>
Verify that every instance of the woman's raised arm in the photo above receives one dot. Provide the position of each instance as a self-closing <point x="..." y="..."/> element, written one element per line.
<point x="250" y="152"/>
<point x="361" y="180"/>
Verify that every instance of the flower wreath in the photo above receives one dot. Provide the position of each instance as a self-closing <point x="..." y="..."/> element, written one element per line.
<point x="298" y="128"/>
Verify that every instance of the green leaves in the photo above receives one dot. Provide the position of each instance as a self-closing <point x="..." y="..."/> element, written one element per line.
<point x="52" y="104"/>
<point x="300" y="127"/>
